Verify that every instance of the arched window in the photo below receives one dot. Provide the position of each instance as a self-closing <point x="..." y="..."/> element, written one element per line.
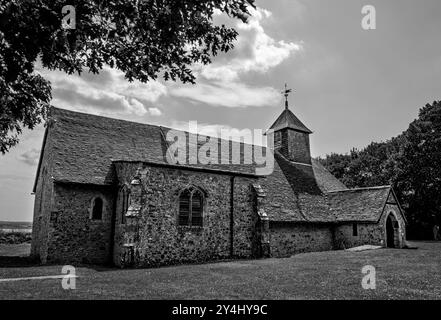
<point x="196" y="209"/>
<point x="97" y="209"/>
<point x="125" y="200"/>
<point x="191" y="207"/>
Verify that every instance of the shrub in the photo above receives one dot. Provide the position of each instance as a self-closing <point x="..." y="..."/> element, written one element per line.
<point x="14" y="237"/>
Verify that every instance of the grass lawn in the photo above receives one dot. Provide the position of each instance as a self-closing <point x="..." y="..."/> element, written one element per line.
<point x="12" y="250"/>
<point x="400" y="274"/>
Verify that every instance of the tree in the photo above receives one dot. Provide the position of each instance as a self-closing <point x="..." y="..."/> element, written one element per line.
<point x="372" y="166"/>
<point x="143" y="38"/>
<point x="419" y="176"/>
<point x="410" y="162"/>
<point x="337" y="164"/>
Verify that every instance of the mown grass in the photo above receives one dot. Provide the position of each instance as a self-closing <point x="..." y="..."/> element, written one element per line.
<point x="400" y="274"/>
<point x="15" y="250"/>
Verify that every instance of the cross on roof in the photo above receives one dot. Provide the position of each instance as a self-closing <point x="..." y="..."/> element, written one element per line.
<point x="286" y="93"/>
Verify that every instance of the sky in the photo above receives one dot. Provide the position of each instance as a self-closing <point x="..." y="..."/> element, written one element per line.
<point x="350" y="86"/>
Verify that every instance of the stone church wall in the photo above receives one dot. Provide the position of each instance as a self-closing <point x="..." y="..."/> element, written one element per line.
<point x="156" y="236"/>
<point x="43" y="204"/>
<point x="287" y="239"/>
<point x="73" y="236"/>
<point x="370" y="233"/>
<point x="246" y="222"/>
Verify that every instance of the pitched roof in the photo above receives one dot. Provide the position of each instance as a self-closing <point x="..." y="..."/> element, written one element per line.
<point x="325" y="180"/>
<point x="287" y="119"/>
<point x="296" y="192"/>
<point x="362" y="204"/>
<point x="84" y="146"/>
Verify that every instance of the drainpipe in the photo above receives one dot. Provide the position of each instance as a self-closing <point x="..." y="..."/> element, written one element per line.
<point x="231" y="216"/>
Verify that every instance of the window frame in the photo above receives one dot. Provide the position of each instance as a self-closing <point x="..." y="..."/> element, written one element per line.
<point x="92" y="209"/>
<point x="354" y="229"/>
<point x="190" y="223"/>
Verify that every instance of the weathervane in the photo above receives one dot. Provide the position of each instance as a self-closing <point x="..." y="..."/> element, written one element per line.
<point x="286" y="93"/>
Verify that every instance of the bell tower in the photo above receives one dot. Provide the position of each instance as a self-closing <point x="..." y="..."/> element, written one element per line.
<point x="291" y="136"/>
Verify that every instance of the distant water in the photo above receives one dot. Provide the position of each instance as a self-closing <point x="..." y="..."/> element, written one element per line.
<point x="28" y="230"/>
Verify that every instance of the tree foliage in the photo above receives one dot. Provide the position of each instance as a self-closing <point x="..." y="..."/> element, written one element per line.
<point x="410" y="162"/>
<point x="143" y="38"/>
<point x="419" y="175"/>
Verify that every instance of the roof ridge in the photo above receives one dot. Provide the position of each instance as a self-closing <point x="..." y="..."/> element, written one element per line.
<point x="361" y="189"/>
<point x="100" y="116"/>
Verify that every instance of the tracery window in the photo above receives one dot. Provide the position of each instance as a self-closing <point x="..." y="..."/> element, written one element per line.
<point x="191" y="202"/>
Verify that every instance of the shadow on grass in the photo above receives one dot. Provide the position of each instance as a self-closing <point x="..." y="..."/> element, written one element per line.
<point x="17" y="262"/>
<point x="112" y="267"/>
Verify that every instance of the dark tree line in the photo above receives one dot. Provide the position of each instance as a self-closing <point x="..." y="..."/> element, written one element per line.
<point x="410" y="162"/>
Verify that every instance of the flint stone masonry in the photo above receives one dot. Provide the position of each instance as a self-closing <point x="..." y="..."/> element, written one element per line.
<point x="292" y="238"/>
<point x="43" y="201"/>
<point x="371" y="233"/>
<point x="73" y="235"/>
<point x="154" y="237"/>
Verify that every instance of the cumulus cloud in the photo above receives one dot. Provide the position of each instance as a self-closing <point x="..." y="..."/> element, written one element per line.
<point x="220" y="83"/>
<point x="30" y="157"/>
<point x="107" y="93"/>
<point x="257" y="50"/>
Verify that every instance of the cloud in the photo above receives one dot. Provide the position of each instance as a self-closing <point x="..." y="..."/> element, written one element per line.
<point x="107" y="93"/>
<point x="155" y="112"/>
<point x="229" y="94"/>
<point x="255" y="51"/>
<point x="30" y="157"/>
<point x="220" y="83"/>
<point x="212" y="130"/>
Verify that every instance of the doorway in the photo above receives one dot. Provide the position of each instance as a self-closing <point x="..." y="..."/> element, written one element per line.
<point x="391" y="231"/>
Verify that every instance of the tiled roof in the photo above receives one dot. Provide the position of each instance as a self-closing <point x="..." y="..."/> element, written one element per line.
<point x="224" y="157"/>
<point x="363" y="204"/>
<point x="296" y="192"/>
<point x="84" y="147"/>
<point x="287" y="119"/>
<point x="325" y="180"/>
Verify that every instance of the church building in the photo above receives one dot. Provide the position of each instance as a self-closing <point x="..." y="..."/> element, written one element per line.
<point x="106" y="194"/>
